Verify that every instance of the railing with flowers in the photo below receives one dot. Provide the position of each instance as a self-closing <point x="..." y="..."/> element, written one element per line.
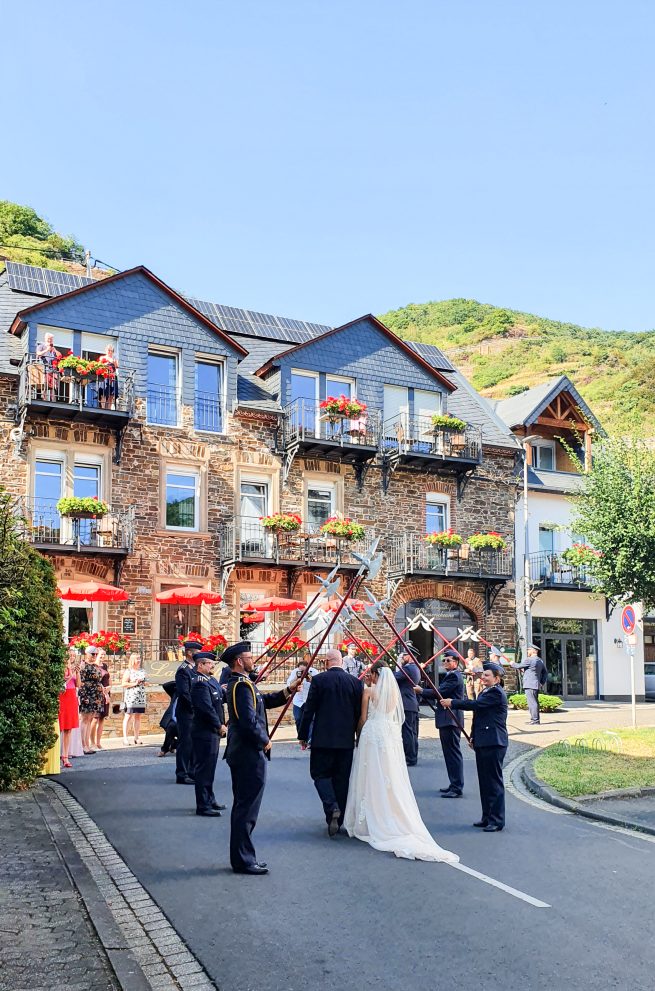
<point x="409" y="554"/>
<point x="307" y="421"/>
<point x="43" y="524"/>
<point x="363" y="646"/>
<point x="418" y="436"/>
<point x="94" y="386"/>
<point x="246" y="539"/>
<point x="560" y="570"/>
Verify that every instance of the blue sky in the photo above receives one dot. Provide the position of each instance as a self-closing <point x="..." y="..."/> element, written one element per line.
<point x="327" y="159"/>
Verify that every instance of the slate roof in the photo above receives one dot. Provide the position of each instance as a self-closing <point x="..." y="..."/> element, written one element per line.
<point x="553" y="481"/>
<point x="522" y="410"/>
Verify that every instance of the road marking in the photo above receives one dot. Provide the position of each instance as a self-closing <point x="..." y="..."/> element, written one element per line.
<point x="499" y="884"/>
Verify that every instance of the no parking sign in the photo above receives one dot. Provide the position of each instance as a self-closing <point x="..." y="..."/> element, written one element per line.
<point x="628" y="620"/>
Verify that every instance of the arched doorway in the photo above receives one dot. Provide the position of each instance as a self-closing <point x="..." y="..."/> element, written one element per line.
<point x="447" y="616"/>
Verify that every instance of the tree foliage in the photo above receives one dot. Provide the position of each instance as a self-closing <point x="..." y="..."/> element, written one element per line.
<point x="616" y="513"/>
<point x="31" y="655"/>
<point x="28" y="238"/>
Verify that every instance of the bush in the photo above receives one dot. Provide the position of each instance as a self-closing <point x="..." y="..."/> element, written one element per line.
<point x="547" y="703"/>
<point x="31" y="656"/>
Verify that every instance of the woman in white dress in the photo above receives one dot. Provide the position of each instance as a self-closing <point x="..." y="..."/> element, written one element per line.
<point x="381" y="808"/>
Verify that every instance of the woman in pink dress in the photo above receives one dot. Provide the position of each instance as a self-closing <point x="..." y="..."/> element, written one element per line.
<point x="68" y="710"/>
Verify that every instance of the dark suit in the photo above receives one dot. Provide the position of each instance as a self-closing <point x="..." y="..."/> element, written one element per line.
<point x="450" y="730"/>
<point x="184" y="678"/>
<point x="208" y="717"/>
<point x="168" y="721"/>
<point x="490" y="740"/>
<point x="334" y="703"/>
<point x="535" y="676"/>
<point x="247" y="736"/>
<point x="406" y="682"/>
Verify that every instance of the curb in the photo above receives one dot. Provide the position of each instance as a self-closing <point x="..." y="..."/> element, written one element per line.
<point x="541" y="790"/>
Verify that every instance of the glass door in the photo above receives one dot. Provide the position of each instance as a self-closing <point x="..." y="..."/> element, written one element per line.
<point x="255" y="540"/>
<point x="79" y="617"/>
<point x="86" y="485"/>
<point x="177" y="621"/>
<point x="396" y="415"/>
<point x="48" y="489"/>
<point x="574" y="668"/>
<point x="336" y="387"/>
<point x="305" y="409"/>
<point x="554" y="660"/>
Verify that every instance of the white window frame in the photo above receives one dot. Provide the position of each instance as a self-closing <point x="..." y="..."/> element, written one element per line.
<point x="43" y="328"/>
<point x="344" y="380"/>
<point x="536" y="456"/>
<point x="330" y="487"/>
<point x="162" y="352"/>
<point x="220" y="363"/>
<point x="191" y="473"/>
<point x="437" y="499"/>
<point x="103" y="339"/>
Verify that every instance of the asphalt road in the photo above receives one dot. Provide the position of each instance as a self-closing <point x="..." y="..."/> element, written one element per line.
<point x="335" y="914"/>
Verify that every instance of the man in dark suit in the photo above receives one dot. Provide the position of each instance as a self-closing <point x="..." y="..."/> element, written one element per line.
<point x="408" y="675"/>
<point x="490" y="741"/>
<point x="535" y="677"/>
<point x="334" y="703"/>
<point x="248" y="749"/>
<point x="450" y="729"/>
<point x="207" y="726"/>
<point x="184" y="677"/>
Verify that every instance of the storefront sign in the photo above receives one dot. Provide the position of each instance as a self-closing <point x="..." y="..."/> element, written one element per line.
<point x="129" y="624"/>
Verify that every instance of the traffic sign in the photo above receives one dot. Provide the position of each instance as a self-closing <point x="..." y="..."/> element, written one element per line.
<point x="632" y="639"/>
<point x="628" y="619"/>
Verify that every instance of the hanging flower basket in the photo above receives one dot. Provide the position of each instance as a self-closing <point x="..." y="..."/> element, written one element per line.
<point x="343" y="527"/>
<point x="113" y="643"/>
<point x="82" y="508"/>
<point x="281" y="522"/>
<point x="215" y="642"/>
<point x="581" y="555"/>
<point x="80" y="368"/>
<point x="292" y="645"/>
<point x="336" y="408"/>
<point x="487" y="541"/>
<point x="443" y="421"/>
<point x="364" y="646"/>
<point x="81" y="641"/>
<point x="443" y="538"/>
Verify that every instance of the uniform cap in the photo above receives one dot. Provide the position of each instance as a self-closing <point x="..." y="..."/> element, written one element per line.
<point x="533" y="646"/>
<point x="409" y="648"/>
<point x="451" y="654"/>
<point x="495" y="651"/>
<point x="192" y="645"/>
<point x="233" y="652"/>
<point x="496" y="668"/>
<point x="204" y="655"/>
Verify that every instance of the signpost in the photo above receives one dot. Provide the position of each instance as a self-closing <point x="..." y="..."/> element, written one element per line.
<point x="628" y="620"/>
<point x="632" y="643"/>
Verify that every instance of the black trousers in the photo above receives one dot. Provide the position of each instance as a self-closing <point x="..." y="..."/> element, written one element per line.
<point x="489" y="762"/>
<point x="452" y="755"/>
<point x="410" y="738"/>
<point x="184" y="753"/>
<point x="532" y="698"/>
<point x="248" y="783"/>
<point x="205" y="755"/>
<point x="330" y="771"/>
<point x="170" y="738"/>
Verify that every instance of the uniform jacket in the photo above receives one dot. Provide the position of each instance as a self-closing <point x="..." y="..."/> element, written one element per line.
<point x="534" y="672"/>
<point x="451" y="687"/>
<point x="489" y="717"/>
<point x="335" y="704"/>
<point x="208" y="712"/>
<point x="184" y="678"/>
<point x="169" y="714"/>
<point x="406" y="684"/>
<point x="248" y="726"/>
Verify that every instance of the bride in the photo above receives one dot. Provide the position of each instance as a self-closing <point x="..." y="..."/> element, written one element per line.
<point x="381" y="808"/>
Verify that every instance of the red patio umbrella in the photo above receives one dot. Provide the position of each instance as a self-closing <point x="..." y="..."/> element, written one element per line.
<point x="333" y="604"/>
<point x="188" y="595"/>
<point x="275" y="604"/>
<point x="91" y="591"/>
<point x="253" y="617"/>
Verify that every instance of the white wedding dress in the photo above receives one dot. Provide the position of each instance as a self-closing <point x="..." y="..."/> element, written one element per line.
<point x="381" y="808"/>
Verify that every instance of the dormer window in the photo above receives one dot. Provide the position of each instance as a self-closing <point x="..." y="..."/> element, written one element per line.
<point x="543" y="455"/>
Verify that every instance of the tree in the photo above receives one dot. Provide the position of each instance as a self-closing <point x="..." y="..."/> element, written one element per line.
<point x="616" y="512"/>
<point x="26" y="237"/>
<point x="31" y="655"/>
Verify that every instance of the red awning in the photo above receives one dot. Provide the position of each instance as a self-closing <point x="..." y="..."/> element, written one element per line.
<point x="90" y="591"/>
<point x="188" y="595"/>
<point x="275" y="604"/>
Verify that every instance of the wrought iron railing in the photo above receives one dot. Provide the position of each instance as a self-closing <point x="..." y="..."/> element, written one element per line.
<point x="553" y="571"/>
<point x="409" y="553"/>
<point x="244" y="539"/>
<point x="209" y="412"/>
<point x="163" y="405"/>
<point x="42" y="525"/>
<point x="40" y="381"/>
<point x="305" y="421"/>
<point x="417" y="435"/>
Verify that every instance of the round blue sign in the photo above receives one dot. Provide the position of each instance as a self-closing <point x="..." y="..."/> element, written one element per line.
<point x="628" y="619"/>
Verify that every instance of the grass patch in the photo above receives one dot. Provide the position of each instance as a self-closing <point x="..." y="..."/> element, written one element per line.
<point x="584" y="771"/>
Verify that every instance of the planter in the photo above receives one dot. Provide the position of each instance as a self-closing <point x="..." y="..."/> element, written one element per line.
<point x="81" y="516"/>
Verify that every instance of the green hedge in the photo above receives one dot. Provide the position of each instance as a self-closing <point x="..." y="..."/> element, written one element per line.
<point x="547" y="703"/>
<point x="31" y="655"/>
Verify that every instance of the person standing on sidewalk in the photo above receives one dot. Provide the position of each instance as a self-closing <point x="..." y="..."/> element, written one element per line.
<point x="408" y="676"/>
<point x="184" y="677"/>
<point x="535" y="677"/>
<point x="450" y="732"/>
<point x="207" y="727"/>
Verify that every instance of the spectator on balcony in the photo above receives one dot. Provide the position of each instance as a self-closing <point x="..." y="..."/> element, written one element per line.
<point x="92" y="699"/>
<point x="352" y="663"/>
<point x="48" y="355"/>
<point x="98" y="728"/>
<point x="69" y="717"/>
<point x="134" y="685"/>
<point x="108" y="387"/>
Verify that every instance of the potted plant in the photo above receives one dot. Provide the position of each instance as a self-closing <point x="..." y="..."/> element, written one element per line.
<point x="290" y="646"/>
<point x="281" y="522"/>
<point x="82" y="640"/>
<point x="444" y="538"/>
<point x="343" y="527"/>
<point x="487" y="541"/>
<point x="215" y="642"/>
<point x="77" y="367"/>
<point x="336" y="408"/>
<point x="82" y="507"/>
<point x="192" y="635"/>
<point x="581" y="555"/>
<point x="444" y="421"/>
<point x="368" y="648"/>
<point x="113" y="643"/>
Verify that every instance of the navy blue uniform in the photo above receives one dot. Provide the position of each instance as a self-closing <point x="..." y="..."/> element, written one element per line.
<point x="450" y="732"/>
<point x="208" y="717"/>
<point x="247" y="736"/>
<point x="184" y="678"/>
<point x="490" y="741"/>
<point x="411" y="707"/>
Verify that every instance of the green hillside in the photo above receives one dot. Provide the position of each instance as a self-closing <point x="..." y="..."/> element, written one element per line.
<point x="503" y="352"/>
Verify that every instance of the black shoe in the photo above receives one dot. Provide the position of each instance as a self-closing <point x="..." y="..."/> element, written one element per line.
<point x="184" y="781"/>
<point x="482" y="824"/>
<point x="333" y="824"/>
<point x="214" y="813"/>
<point x="492" y="828"/>
<point x="220" y="808"/>
<point x="262" y="863"/>
<point x="254" y="869"/>
<point x="442" y="790"/>
<point x="451" y="794"/>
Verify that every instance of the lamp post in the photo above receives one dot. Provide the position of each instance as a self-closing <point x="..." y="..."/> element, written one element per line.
<point x="526" y="540"/>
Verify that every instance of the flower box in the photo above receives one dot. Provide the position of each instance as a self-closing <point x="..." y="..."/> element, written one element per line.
<point x="491" y="541"/>
<point x="281" y="522"/>
<point x="343" y="527"/>
<point x="336" y="408"/>
<point x="82" y="508"/>
<point x="444" y="538"/>
<point x="581" y="555"/>
<point x="291" y="646"/>
<point x="443" y="421"/>
<point x="363" y="646"/>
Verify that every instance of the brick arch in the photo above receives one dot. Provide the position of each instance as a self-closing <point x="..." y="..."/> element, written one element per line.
<point x="440" y="590"/>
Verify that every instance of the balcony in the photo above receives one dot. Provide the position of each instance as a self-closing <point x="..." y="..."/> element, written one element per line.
<point x="409" y="554"/>
<point x="246" y="540"/>
<point x="208" y="413"/>
<point x="414" y="440"/>
<point x="45" y="392"/>
<point x="551" y="571"/>
<point x="163" y="405"/>
<point x="308" y="431"/>
<point x="111" y="535"/>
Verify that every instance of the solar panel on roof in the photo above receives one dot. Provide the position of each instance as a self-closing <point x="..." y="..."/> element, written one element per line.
<point x="432" y="354"/>
<point x="42" y="281"/>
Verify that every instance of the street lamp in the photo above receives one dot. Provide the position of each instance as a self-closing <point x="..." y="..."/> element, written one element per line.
<point x="526" y="540"/>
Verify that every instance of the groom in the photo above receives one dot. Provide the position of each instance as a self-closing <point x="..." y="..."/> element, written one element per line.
<point x="334" y="703"/>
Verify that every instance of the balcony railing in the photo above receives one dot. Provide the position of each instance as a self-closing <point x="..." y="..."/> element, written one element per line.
<point x="43" y="386"/>
<point x="163" y="405"/>
<point x="209" y="412"/>
<point x="552" y="571"/>
<point x="416" y="437"/>
<point x="409" y="554"/>
<point x="44" y="527"/>
<point x="245" y="539"/>
<point x="306" y="423"/>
